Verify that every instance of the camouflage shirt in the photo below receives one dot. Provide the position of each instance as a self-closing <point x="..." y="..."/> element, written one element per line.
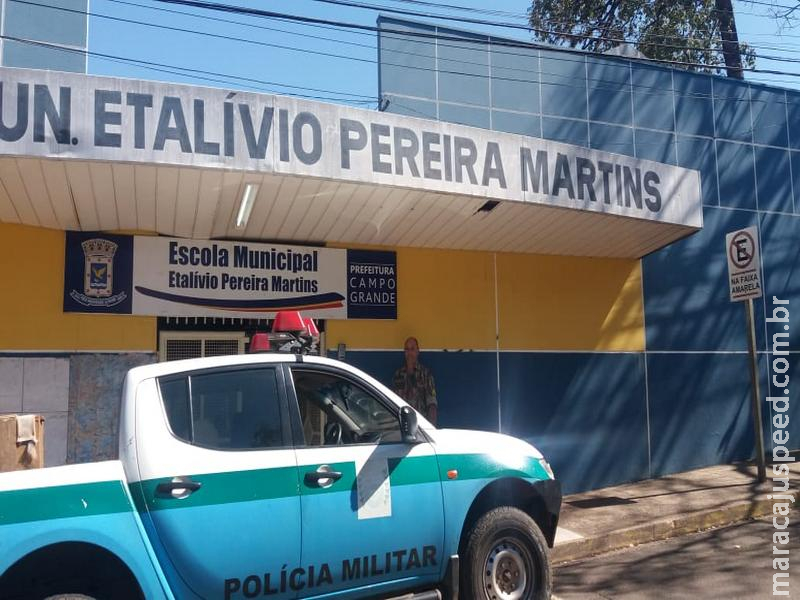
<point x="416" y="387"/>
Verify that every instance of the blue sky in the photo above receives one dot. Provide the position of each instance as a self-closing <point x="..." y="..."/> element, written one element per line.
<point x="339" y="65"/>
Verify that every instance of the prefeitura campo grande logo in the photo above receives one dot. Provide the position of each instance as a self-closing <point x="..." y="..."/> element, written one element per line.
<point x="98" y="275"/>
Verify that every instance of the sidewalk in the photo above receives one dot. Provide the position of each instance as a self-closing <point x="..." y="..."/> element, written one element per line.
<point x="656" y="509"/>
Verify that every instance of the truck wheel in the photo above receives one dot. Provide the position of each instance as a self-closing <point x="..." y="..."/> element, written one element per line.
<point x="506" y="558"/>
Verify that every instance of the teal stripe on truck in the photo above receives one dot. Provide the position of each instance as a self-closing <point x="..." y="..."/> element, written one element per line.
<point x="59" y="502"/>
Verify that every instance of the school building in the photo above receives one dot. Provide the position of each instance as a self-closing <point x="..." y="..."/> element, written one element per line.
<point x="549" y="224"/>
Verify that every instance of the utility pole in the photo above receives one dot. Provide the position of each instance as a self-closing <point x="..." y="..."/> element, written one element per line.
<point x="731" y="51"/>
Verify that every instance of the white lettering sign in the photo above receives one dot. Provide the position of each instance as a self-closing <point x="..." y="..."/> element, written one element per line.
<point x="65" y="115"/>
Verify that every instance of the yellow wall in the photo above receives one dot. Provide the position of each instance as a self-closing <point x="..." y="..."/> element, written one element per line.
<point x="569" y="303"/>
<point x="447" y="299"/>
<point x="31" y="302"/>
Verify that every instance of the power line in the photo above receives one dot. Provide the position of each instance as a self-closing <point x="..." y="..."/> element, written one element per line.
<point x="365" y="33"/>
<point x="509" y="43"/>
<point x="306" y="35"/>
<point x="471" y="20"/>
<point x="612" y="85"/>
<point x="512" y="15"/>
<point x="198" y="73"/>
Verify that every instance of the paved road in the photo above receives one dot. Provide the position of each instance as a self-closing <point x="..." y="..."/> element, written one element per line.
<point x="733" y="562"/>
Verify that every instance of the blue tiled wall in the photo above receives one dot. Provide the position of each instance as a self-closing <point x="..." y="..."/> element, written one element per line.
<point x="585" y="411"/>
<point x="744" y="139"/>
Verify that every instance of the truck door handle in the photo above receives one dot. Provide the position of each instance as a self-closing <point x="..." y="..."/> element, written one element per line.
<point x="323" y="477"/>
<point x="179" y="487"/>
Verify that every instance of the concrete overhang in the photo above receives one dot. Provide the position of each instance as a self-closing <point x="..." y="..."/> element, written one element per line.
<point x="90" y="153"/>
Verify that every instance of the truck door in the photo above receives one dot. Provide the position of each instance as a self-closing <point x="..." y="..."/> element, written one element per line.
<point x="219" y="481"/>
<point x="372" y="509"/>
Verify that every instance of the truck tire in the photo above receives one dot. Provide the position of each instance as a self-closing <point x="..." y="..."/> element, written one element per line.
<point x="506" y="558"/>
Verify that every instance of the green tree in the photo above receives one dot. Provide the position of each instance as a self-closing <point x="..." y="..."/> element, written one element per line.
<point x="699" y="35"/>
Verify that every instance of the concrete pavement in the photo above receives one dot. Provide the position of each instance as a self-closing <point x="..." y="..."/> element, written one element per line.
<point x="732" y="563"/>
<point x="657" y="509"/>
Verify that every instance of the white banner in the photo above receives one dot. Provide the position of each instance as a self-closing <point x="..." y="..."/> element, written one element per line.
<point x="213" y="278"/>
<point x="144" y="275"/>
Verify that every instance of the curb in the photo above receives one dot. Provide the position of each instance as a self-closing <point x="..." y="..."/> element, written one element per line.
<point x="660" y="530"/>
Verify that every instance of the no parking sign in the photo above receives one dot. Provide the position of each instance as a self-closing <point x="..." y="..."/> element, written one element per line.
<point x="744" y="275"/>
<point x="744" y="278"/>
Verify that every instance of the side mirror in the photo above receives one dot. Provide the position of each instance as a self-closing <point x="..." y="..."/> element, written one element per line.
<point x="408" y="424"/>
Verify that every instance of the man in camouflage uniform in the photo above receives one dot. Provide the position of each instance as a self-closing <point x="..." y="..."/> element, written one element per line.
<point x="413" y="382"/>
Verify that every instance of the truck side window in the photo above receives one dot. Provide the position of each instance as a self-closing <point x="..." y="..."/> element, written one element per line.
<point x="335" y="411"/>
<point x="235" y="409"/>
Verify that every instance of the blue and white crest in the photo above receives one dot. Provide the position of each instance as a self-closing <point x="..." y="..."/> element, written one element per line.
<point x="98" y="268"/>
<point x="98" y="275"/>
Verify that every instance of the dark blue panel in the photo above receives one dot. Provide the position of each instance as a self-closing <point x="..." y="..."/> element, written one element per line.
<point x="698" y="154"/>
<point x="694" y="112"/>
<point x="654" y="145"/>
<point x="611" y="138"/>
<point x="466" y="383"/>
<point x="686" y="298"/>
<point x="732" y="110"/>
<point x="463" y="68"/>
<point x="515" y="78"/>
<point x="585" y="412"/>
<point x="795" y="158"/>
<point x="780" y="254"/>
<point x="466" y="388"/>
<point x="610" y="97"/>
<point x="565" y="130"/>
<point x="737" y="183"/>
<point x="407" y="63"/>
<point x="793" y="107"/>
<point x="652" y="97"/>
<point x="774" y="179"/>
<point x="410" y="107"/>
<point x="769" y="116"/>
<point x="775" y="408"/>
<point x="516" y="123"/>
<point x="700" y="411"/>
<point x="37" y="21"/>
<point x="465" y="115"/>
<point x="563" y="84"/>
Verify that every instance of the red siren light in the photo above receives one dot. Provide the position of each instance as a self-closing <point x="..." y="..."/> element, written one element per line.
<point x="288" y="321"/>
<point x="311" y="327"/>
<point x="259" y="343"/>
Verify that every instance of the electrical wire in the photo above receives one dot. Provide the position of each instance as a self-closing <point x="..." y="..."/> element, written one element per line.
<point x="509" y="43"/>
<point x="613" y="85"/>
<point x="789" y="49"/>
<point x="198" y="73"/>
<point x="472" y="10"/>
<point x="599" y="84"/>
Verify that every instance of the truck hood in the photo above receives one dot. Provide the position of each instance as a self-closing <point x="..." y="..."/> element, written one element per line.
<point x="467" y="441"/>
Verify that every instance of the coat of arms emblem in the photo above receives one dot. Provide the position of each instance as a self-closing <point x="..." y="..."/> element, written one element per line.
<point x="98" y="269"/>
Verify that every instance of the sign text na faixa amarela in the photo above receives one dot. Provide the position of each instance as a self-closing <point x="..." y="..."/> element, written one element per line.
<point x="71" y="115"/>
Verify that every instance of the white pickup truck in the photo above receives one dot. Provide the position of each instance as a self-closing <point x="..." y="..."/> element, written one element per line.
<point x="281" y="476"/>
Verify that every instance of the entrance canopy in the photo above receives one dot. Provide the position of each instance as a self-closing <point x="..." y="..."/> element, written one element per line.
<point x="90" y="153"/>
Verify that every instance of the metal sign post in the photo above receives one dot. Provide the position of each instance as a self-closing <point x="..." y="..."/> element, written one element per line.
<point x="744" y="279"/>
